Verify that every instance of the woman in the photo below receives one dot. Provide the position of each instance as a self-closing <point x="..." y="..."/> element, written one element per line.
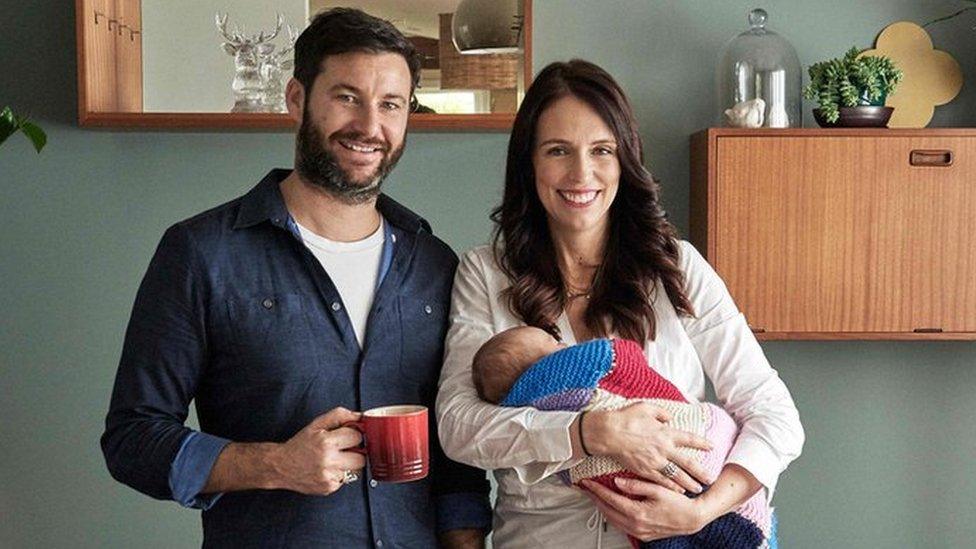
<point x="582" y="249"/>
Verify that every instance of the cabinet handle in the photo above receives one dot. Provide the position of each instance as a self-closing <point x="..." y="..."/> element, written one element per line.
<point x="757" y="329"/>
<point x="942" y="158"/>
<point x="928" y="330"/>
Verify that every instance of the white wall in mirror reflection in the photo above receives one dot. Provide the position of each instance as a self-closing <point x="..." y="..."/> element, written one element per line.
<point x="184" y="67"/>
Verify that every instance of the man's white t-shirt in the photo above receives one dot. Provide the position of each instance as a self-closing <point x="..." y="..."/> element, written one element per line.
<point x="354" y="268"/>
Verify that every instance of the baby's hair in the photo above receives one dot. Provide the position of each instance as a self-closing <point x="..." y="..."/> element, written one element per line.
<point x="497" y="364"/>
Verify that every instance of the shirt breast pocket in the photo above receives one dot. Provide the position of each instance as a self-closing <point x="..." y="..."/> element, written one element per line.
<point x="423" y="324"/>
<point x="270" y="337"/>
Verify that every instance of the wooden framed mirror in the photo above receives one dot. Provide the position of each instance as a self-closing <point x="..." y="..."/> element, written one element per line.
<point x="164" y="63"/>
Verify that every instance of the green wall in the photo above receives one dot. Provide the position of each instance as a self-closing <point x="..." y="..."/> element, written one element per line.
<point x="890" y="443"/>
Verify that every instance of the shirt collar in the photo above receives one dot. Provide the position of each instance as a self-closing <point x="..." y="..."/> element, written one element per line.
<point x="265" y="203"/>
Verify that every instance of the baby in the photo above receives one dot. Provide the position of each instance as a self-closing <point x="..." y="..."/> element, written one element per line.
<point x="526" y="366"/>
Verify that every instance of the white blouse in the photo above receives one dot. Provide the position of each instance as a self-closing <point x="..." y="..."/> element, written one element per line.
<point x="523" y="447"/>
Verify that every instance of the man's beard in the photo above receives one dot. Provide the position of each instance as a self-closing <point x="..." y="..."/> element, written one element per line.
<point x="317" y="165"/>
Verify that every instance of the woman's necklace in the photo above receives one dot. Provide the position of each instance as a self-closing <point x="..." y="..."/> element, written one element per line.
<point x="573" y="293"/>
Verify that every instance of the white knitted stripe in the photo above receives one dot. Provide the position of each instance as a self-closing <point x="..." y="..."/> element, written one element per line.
<point x="693" y="418"/>
<point x="595" y="466"/>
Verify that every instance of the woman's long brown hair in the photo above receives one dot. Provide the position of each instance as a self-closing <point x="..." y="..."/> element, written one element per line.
<point x="642" y="246"/>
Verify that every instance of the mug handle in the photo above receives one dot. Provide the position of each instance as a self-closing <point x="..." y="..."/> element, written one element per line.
<point x="357" y="425"/>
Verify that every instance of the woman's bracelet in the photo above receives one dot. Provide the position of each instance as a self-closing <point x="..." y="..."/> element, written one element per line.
<point x="579" y="428"/>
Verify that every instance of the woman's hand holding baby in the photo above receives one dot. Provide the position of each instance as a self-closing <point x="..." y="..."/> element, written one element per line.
<point x="661" y="513"/>
<point x="640" y="438"/>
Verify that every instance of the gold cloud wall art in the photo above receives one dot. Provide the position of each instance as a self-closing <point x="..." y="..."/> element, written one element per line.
<point x="932" y="77"/>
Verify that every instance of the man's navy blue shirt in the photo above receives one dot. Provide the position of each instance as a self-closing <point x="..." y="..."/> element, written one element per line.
<point x="235" y="313"/>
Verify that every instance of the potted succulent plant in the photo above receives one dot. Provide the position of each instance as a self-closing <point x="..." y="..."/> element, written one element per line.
<point x="851" y="90"/>
<point x="10" y="124"/>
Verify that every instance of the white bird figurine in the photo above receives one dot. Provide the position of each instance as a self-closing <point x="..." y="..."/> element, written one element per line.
<point x="747" y="114"/>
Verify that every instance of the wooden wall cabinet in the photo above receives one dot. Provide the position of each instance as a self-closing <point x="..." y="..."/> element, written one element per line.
<point x="841" y="234"/>
<point x="112" y="31"/>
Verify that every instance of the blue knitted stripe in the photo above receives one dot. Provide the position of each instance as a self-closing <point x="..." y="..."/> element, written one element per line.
<point x="577" y="367"/>
<point x="730" y="531"/>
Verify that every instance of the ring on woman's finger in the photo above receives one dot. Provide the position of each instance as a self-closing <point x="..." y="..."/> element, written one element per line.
<point x="670" y="470"/>
<point x="348" y="477"/>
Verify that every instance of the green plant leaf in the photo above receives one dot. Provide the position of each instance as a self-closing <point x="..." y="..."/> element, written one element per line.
<point x="8" y="124"/>
<point x="36" y="135"/>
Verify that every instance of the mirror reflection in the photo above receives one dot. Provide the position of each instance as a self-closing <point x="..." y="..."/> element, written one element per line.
<point x="223" y="56"/>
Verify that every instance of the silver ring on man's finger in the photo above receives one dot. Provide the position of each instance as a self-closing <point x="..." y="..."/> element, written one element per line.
<point x="348" y="477"/>
<point x="670" y="470"/>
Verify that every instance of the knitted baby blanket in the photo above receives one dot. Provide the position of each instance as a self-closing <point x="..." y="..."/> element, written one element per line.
<point x="607" y="374"/>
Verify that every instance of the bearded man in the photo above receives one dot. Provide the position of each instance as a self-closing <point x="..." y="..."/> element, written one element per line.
<point x="280" y="312"/>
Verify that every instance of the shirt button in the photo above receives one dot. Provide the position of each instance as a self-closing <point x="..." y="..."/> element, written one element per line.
<point x="336" y="306"/>
<point x="268" y="303"/>
<point x="379" y="543"/>
<point x="373" y="483"/>
<point x="427" y="309"/>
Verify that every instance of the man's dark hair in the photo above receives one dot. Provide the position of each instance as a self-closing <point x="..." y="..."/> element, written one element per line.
<point x="343" y="30"/>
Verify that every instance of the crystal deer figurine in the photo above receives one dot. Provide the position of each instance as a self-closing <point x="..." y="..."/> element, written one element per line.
<point x="249" y="53"/>
<point x="274" y="66"/>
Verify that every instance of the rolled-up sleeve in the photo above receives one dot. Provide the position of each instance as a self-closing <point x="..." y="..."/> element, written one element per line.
<point x="750" y="390"/>
<point x="162" y="358"/>
<point x="536" y="444"/>
<point x="191" y="469"/>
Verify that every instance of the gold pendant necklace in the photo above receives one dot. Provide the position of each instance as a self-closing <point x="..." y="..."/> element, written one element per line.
<point x="573" y="293"/>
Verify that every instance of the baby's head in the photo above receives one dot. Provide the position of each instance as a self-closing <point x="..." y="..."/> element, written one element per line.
<point x="503" y="358"/>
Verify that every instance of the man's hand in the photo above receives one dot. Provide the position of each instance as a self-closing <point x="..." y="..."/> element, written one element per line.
<point x="314" y="461"/>
<point x="469" y="538"/>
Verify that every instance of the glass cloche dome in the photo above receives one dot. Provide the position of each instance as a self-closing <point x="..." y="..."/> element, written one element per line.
<point x="759" y="79"/>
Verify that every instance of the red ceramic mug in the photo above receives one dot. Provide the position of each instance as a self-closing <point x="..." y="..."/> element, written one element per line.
<point x="396" y="442"/>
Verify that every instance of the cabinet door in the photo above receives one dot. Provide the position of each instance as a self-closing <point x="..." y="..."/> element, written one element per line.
<point x="801" y="222"/>
<point x="843" y="234"/>
<point x="940" y="223"/>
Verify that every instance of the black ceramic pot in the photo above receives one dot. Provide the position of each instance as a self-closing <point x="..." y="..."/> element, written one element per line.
<point x="857" y="117"/>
